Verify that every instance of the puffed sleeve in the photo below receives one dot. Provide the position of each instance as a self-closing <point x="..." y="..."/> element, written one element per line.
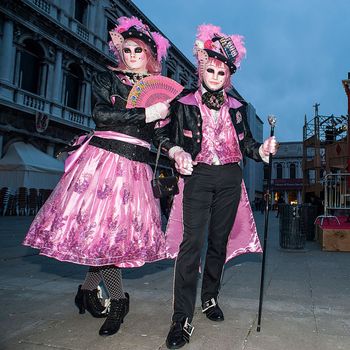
<point x="170" y="132"/>
<point x="104" y="111"/>
<point x="249" y="145"/>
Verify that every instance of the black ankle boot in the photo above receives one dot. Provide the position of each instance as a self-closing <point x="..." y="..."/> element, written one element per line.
<point x="88" y="300"/>
<point x="119" y="308"/>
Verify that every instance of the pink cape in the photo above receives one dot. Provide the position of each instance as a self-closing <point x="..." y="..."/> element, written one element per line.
<point x="243" y="237"/>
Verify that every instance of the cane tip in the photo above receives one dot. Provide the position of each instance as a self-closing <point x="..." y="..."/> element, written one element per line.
<point x="258" y="329"/>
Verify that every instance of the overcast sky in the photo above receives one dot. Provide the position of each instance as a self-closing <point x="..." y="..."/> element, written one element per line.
<point x="298" y="51"/>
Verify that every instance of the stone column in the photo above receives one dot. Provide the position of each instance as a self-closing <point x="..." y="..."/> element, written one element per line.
<point x="50" y="82"/>
<point x="17" y="79"/>
<point x="57" y="81"/>
<point x="81" y="106"/>
<point x="6" y="52"/>
<point x="43" y="79"/>
<point x="87" y="105"/>
<point x="63" y="90"/>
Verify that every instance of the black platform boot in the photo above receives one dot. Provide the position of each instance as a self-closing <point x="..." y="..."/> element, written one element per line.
<point x="119" y="308"/>
<point x="88" y="300"/>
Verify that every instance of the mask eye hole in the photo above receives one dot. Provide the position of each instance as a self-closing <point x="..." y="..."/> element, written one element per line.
<point x="138" y="50"/>
<point x="210" y="70"/>
<point x="221" y="73"/>
<point x="126" y="50"/>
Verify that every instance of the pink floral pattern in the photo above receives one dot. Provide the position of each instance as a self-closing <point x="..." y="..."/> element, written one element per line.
<point x="96" y="217"/>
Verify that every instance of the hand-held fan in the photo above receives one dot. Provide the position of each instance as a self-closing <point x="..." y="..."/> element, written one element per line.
<point x="151" y="90"/>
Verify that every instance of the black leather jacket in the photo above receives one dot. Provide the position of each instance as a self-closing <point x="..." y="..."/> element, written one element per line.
<point x="116" y="117"/>
<point x="188" y="117"/>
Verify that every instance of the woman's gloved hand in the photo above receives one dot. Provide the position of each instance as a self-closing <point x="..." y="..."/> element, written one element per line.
<point x="157" y="111"/>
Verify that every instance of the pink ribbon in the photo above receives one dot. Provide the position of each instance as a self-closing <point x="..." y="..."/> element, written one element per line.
<point x="111" y="135"/>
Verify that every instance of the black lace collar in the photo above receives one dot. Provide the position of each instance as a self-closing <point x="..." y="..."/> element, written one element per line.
<point x="135" y="77"/>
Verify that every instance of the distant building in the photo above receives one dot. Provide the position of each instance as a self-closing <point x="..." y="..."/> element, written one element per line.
<point x="49" y="51"/>
<point x="287" y="174"/>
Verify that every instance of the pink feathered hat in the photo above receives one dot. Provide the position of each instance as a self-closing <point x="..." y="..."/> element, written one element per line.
<point x="134" y="28"/>
<point x="211" y="42"/>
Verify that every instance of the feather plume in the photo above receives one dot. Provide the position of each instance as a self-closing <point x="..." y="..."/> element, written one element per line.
<point x="206" y="31"/>
<point x="238" y="40"/>
<point x="125" y="23"/>
<point x="162" y="45"/>
<point x="205" y="34"/>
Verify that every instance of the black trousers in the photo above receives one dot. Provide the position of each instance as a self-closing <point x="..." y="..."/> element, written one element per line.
<point x="211" y="196"/>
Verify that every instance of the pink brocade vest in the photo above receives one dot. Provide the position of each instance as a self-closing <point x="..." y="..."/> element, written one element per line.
<point x="219" y="136"/>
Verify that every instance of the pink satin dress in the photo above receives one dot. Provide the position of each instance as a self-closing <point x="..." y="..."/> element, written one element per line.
<point x="102" y="212"/>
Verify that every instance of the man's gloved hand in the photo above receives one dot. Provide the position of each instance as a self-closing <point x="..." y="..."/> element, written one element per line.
<point x="183" y="162"/>
<point x="270" y="145"/>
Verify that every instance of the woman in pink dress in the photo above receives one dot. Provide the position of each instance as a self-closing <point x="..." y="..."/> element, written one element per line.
<point x="102" y="212"/>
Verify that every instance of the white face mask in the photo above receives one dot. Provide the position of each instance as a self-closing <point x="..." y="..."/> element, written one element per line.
<point x="214" y="76"/>
<point x="134" y="57"/>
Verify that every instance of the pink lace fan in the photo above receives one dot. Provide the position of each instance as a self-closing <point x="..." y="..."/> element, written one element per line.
<point x="153" y="89"/>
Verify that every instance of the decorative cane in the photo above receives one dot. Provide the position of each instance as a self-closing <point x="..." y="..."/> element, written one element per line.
<point x="272" y="121"/>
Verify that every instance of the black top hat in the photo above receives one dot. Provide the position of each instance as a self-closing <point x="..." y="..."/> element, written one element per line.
<point x="132" y="32"/>
<point x="222" y="58"/>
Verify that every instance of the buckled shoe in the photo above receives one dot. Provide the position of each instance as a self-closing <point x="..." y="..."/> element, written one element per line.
<point x="179" y="334"/>
<point x="212" y="310"/>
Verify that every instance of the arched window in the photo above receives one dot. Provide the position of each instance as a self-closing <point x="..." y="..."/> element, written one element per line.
<point x="110" y="26"/>
<point x="73" y="88"/>
<point x="31" y="66"/>
<point x="292" y="171"/>
<point x="279" y="171"/>
<point x="81" y="10"/>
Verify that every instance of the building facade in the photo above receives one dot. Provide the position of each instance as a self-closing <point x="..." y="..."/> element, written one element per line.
<point x="287" y="173"/>
<point x="49" y="51"/>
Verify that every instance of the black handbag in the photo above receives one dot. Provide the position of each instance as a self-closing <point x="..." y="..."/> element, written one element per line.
<point x="163" y="186"/>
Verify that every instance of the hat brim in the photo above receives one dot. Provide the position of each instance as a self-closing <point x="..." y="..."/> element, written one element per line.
<point x="229" y="63"/>
<point x="132" y="33"/>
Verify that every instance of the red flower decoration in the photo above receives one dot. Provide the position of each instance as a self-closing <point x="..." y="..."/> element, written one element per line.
<point x="208" y="44"/>
<point x="121" y="30"/>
